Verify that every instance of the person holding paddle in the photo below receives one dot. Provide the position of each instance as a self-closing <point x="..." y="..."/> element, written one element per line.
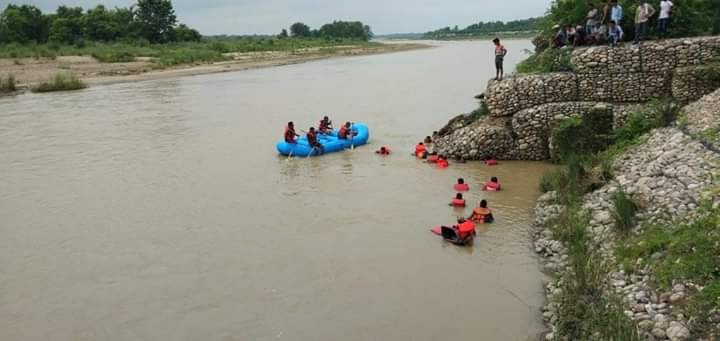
<point x="325" y="125"/>
<point x="313" y="141"/>
<point x="290" y="133"/>
<point x="346" y="131"/>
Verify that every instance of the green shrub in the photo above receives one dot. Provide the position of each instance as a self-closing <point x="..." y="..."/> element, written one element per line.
<point x="624" y="210"/>
<point x="7" y="84"/>
<point x="581" y="137"/>
<point x="113" y="56"/>
<point x="61" y="82"/>
<point x="549" y="60"/>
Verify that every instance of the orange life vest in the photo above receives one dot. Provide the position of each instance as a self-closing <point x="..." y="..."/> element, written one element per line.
<point x="480" y="213"/>
<point x="458" y="202"/>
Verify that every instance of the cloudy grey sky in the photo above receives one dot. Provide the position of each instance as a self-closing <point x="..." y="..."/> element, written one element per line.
<point x="270" y="16"/>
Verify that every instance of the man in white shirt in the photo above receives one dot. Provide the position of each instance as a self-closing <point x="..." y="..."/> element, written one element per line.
<point x="664" y="19"/>
<point x="642" y="15"/>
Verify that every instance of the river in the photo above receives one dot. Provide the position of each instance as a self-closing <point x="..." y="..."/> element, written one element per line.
<point x="160" y="210"/>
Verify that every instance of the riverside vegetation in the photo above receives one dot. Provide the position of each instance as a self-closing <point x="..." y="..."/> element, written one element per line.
<point x="149" y="29"/>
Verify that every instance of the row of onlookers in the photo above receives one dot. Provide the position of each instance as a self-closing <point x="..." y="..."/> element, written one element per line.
<point x="604" y="24"/>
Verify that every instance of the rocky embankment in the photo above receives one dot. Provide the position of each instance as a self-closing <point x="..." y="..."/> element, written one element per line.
<point x="522" y="109"/>
<point x="668" y="176"/>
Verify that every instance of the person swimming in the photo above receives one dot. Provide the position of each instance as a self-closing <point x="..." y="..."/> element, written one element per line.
<point x="493" y="185"/>
<point x="383" y="151"/>
<point x="482" y="214"/>
<point x="461" y="186"/>
<point x="458" y="201"/>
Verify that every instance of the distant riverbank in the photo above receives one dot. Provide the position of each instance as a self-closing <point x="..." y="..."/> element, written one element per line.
<point x="29" y="72"/>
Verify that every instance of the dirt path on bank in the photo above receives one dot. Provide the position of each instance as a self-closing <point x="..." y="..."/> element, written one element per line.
<point x="29" y="71"/>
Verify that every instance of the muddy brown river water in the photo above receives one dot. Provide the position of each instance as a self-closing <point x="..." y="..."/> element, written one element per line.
<point x="159" y="210"/>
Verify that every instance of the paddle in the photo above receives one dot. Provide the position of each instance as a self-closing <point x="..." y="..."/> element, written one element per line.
<point x="352" y="137"/>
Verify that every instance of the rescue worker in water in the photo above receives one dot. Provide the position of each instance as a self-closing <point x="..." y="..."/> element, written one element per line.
<point x="317" y="148"/>
<point x="290" y="133"/>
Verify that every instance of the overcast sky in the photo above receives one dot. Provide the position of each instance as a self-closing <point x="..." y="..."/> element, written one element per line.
<point x="270" y="16"/>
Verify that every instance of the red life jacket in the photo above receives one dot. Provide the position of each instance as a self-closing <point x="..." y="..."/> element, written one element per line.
<point x="458" y="202"/>
<point x="433" y="158"/>
<point x="466" y="229"/>
<point x="312" y="139"/>
<point x="492" y="186"/>
<point x="420" y="150"/>
<point x="491" y="162"/>
<point x="442" y="163"/>
<point x="343" y="132"/>
<point x="289" y="135"/>
<point x="324" y="126"/>
<point x="462" y="187"/>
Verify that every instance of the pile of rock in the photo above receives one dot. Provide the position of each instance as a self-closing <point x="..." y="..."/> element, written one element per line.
<point x="703" y="118"/>
<point x="667" y="175"/>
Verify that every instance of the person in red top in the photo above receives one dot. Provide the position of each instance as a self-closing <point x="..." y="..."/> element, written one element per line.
<point x="492" y="185"/>
<point x="458" y="201"/>
<point x="442" y="162"/>
<point x="290" y="134"/>
<point x="346" y="130"/>
<point x="317" y="148"/>
<point x="465" y="229"/>
<point x="500" y="53"/>
<point x="325" y="125"/>
<point x="461" y="186"/>
<point x="420" y="151"/>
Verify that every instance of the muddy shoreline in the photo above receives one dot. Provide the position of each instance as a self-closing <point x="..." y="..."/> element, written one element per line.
<point x="29" y="72"/>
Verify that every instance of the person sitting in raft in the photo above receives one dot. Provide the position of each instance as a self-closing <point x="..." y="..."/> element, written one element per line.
<point x="482" y="214"/>
<point x="442" y="162"/>
<point x="461" y="186"/>
<point x="428" y="140"/>
<point x="492" y="185"/>
<point x="433" y="157"/>
<point x="420" y="151"/>
<point x="346" y="130"/>
<point x="290" y="133"/>
<point x="383" y="151"/>
<point x="317" y="148"/>
<point x="325" y="125"/>
<point x="458" y="201"/>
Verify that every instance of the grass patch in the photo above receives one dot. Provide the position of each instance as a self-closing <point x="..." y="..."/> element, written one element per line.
<point x="624" y="210"/>
<point x="583" y="312"/>
<point x="680" y="252"/>
<point x="61" y="82"/>
<point x="8" y="84"/>
<point x="548" y="60"/>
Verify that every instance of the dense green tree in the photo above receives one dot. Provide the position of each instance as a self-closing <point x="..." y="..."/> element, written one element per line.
<point x="185" y="33"/>
<point x="283" y="34"/>
<point x="346" y="29"/>
<point x="156" y="19"/>
<point x="23" y="24"/>
<point x="299" y="29"/>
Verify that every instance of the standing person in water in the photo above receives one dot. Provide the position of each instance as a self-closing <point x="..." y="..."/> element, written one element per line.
<point x="317" y="148"/>
<point x="325" y="125"/>
<point x="500" y="53"/>
<point x="290" y="134"/>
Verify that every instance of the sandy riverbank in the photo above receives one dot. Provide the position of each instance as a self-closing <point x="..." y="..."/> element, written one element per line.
<point x="29" y="71"/>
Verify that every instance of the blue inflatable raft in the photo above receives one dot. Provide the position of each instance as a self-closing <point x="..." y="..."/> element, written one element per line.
<point x="330" y="142"/>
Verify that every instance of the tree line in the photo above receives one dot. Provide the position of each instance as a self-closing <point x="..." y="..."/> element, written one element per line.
<point x="488" y="28"/>
<point x="152" y="20"/>
<point x="337" y="29"/>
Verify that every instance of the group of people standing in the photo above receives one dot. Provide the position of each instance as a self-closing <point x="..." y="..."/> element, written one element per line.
<point x="324" y="127"/>
<point x="604" y="24"/>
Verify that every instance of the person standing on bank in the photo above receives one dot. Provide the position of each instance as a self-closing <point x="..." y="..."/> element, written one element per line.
<point x="593" y="19"/>
<point x="664" y="19"/>
<point x="500" y="53"/>
<point x="644" y="12"/>
<point x="616" y="13"/>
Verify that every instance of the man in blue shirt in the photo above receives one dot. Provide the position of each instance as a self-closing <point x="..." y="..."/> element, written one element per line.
<point x="616" y="12"/>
